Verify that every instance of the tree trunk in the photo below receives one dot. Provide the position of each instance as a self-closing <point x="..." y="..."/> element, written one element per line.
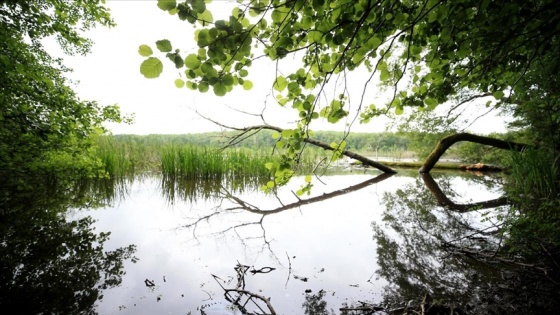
<point x="447" y="142"/>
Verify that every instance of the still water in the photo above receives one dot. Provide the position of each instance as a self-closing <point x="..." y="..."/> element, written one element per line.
<point x="348" y="242"/>
<point x="182" y="244"/>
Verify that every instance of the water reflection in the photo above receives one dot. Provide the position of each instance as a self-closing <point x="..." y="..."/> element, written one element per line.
<point x="409" y="242"/>
<point x="176" y="188"/>
<point x="433" y="238"/>
<point x="50" y="264"/>
<point x="307" y="242"/>
<point x="444" y="201"/>
<point x="432" y="248"/>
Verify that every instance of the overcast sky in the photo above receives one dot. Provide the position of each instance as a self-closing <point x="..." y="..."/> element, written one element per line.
<point x="110" y="75"/>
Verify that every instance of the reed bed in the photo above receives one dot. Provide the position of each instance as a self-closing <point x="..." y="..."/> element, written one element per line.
<point x="535" y="174"/>
<point x="195" y="162"/>
<point x="114" y="157"/>
<point x="122" y="156"/>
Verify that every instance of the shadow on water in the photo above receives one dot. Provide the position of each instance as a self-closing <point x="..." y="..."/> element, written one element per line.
<point x="50" y="264"/>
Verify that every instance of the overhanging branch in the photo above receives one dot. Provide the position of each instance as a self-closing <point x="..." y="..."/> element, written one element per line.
<point x="350" y="154"/>
<point x="447" y="142"/>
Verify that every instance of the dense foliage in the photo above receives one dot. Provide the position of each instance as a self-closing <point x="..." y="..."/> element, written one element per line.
<point x="43" y="123"/>
<point x="428" y="53"/>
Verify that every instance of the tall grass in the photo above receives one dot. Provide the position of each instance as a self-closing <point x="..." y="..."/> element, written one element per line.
<point x="534" y="187"/>
<point x="134" y="155"/>
<point x="122" y="157"/>
<point x="114" y="157"/>
<point x="195" y="162"/>
<point x="534" y="174"/>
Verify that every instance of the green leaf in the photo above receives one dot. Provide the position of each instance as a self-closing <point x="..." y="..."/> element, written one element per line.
<point x="220" y="89"/>
<point x="308" y="179"/>
<point x="384" y="75"/>
<point x="206" y="17"/>
<point x="247" y="85"/>
<point x="498" y="94"/>
<point x="191" y="85"/>
<point x="374" y="42"/>
<point x="164" y="45"/>
<point x="178" y="61"/>
<point x="286" y="133"/>
<point x="145" y="50"/>
<point x="280" y="84"/>
<point x="198" y="5"/>
<point x="209" y="70"/>
<point x="430" y="102"/>
<point x="203" y="87"/>
<point x="179" y="83"/>
<point x="167" y="5"/>
<point x="151" y="68"/>
<point x="227" y="79"/>
<point x="278" y="15"/>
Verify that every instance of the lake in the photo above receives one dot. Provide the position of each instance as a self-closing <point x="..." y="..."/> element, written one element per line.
<point x="357" y="239"/>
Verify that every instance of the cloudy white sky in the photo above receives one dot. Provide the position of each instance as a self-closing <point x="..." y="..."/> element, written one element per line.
<point x="110" y="75"/>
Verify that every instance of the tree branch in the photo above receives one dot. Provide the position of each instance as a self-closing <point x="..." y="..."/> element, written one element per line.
<point x="447" y="142"/>
<point x="350" y="154"/>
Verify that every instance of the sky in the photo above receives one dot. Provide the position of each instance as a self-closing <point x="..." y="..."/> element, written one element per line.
<point x="110" y="75"/>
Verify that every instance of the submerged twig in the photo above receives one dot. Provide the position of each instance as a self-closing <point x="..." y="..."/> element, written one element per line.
<point x="289" y="269"/>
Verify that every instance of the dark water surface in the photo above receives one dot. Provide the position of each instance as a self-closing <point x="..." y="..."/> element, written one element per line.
<point x="173" y="248"/>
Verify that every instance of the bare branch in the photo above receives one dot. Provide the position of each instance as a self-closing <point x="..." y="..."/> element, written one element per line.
<point x="323" y="145"/>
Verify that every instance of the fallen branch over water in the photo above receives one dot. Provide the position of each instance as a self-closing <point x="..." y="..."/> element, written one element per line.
<point x="447" y="142"/>
<point x="247" y="132"/>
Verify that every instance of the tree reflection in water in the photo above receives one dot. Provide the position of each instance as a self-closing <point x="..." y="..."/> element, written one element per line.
<point x="437" y="253"/>
<point x="238" y="206"/>
<point x="430" y="246"/>
<point x="232" y="205"/>
<point x="50" y="264"/>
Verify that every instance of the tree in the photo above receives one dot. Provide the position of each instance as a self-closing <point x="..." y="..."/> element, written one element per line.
<point x="43" y="123"/>
<point x="428" y="53"/>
